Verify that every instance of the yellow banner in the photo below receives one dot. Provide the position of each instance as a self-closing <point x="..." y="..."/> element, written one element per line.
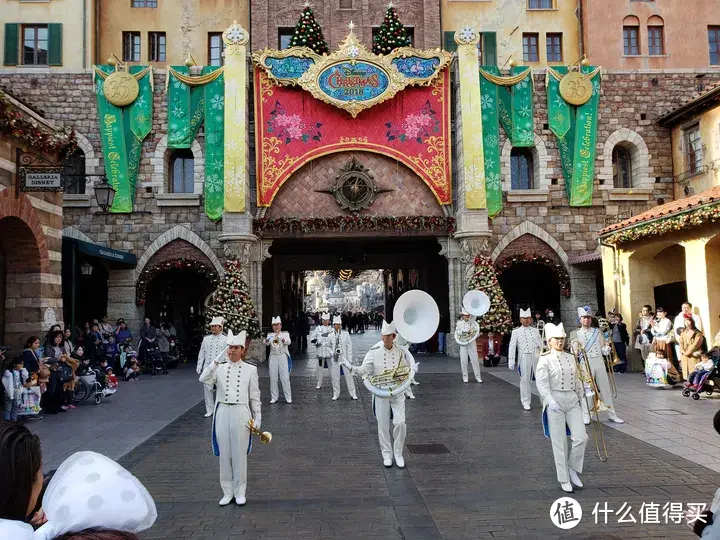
<point x="236" y="174"/>
<point x="471" y="117"/>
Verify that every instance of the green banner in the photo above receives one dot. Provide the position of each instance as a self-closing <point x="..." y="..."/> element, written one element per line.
<point x="576" y="130"/>
<point x="122" y="131"/>
<point x="185" y="110"/>
<point x="515" y="107"/>
<point x="509" y="103"/>
<point x="214" y="98"/>
<point x="491" y="145"/>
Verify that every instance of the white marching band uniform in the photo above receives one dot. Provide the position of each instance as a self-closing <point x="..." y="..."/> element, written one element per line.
<point x="211" y="347"/>
<point x="594" y="343"/>
<point x="377" y="360"/>
<point x="525" y="345"/>
<point x="278" y="363"/>
<point x="237" y="402"/>
<point x="561" y="391"/>
<point x="341" y="339"/>
<point x="468" y="349"/>
<point x="324" y="338"/>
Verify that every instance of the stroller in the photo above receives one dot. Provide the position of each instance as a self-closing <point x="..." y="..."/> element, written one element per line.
<point x="154" y="362"/>
<point x="708" y="383"/>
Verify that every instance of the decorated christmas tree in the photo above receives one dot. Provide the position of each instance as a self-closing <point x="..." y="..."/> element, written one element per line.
<point x="231" y="301"/>
<point x="308" y="32"/>
<point x="391" y="34"/>
<point x="498" y="319"/>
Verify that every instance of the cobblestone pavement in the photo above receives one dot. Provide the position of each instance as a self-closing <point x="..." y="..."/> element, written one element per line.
<point x="322" y="476"/>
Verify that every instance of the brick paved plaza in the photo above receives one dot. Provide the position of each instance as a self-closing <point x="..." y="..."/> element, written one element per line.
<point x="322" y="476"/>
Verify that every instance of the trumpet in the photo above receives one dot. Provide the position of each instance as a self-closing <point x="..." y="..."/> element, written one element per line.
<point x="265" y="436"/>
<point x="590" y="387"/>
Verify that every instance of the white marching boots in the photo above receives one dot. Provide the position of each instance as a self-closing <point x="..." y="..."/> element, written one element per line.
<point x="227" y="499"/>
<point x="399" y="461"/>
<point x="566" y="487"/>
<point x="574" y="478"/>
<point x="387" y="462"/>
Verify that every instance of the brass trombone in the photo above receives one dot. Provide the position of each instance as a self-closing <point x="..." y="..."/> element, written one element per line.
<point x="589" y="385"/>
<point x="612" y="359"/>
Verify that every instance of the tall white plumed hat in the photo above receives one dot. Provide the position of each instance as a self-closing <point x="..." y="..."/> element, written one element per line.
<point x="464" y="311"/>
<point x="584" y="311"/>
<point x="276" y="320"/>
<point x="238" y="340"/>
<point x="216" y="321"/>
<point x="525" y="313"/>
<point x="326" y="316"/>
<point x="554" y="331"/>
<point x="388" y="328"/>
<point x="337" y="319"/>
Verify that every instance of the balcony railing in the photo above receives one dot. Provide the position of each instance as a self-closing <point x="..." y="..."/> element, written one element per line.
<point x="684" y="178"/>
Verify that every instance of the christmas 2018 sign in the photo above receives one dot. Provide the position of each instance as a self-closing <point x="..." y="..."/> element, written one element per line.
<point x="360" y="81"/>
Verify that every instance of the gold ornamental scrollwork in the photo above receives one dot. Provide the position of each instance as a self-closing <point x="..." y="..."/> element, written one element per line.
<point x="261" y="58"/>
<point x="121" y="88"/>
<point x="235" y="38"/>
<point x="352" y="51"/>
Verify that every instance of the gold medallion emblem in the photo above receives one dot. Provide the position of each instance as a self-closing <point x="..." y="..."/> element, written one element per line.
<point x="121" y="88"/>
<point x="576" y="88"/>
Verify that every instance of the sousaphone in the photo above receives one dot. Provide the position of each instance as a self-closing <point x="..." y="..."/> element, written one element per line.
<point x="476" y="303"/>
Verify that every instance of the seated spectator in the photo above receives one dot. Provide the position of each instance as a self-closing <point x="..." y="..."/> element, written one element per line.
<point x="122" y="334"/>
<point x="21" y="479"/>
<point x="110" y="379"/>
<point x="69" y="345"/>
<point x="31" y="354"/>
<point x="106" y="329"/>
<point x="93" y="342"/>
<point x="129" y="363"/>
<point x="702" y="368"/>
<point x="50" y="336"/>
<point x="111" y="350"/>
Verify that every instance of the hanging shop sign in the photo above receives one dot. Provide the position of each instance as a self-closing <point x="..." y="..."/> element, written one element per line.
<point x="41" y="179"/>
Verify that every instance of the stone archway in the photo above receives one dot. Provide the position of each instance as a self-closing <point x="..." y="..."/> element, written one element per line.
<point x="530" y="228"/>
<point x="541" y="158"/>
<point x="181" y="233"/>
<point x="72" y="232"/>
<point x="161" y="165"/>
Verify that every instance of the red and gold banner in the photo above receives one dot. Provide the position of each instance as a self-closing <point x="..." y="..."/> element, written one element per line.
<point x="293" y="128"/>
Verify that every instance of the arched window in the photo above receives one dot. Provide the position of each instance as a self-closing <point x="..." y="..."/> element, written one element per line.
<point x="622" y="167"/>
<point x="182" y="171"/>
<point x="656" y="36"/>
<point x="521" y="169"/>
<point x="74" y="172"/>
<point x="631" y="36"/>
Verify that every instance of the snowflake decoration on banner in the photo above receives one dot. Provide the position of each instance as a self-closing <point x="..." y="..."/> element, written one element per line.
<point x="177" y="83"/>
<point x="493" y="181"/>
<point x="353" y="51"/>
<point x="141" y="102"/>
<point x="217" y="163"/>
<point x="466" y="35"/>
<point x="235" y="178"/>
<point x="217" y="102"/>
<point x="213" y="183"/>
<point x="489" y="163"/>
<point x="525" y="111"/>
<point x="178" y="111"/>
<point x="560" y="102"/>
<point x="596" y="87"/>
<point x="231" y="145"/>
<point x="526" y="135"/>
<point x="491" y="140"/>
<point x="99" y="88"/>
<point x="522" y="85"/>
<point x="212" y="138"/>
<point x="486" y="101"/>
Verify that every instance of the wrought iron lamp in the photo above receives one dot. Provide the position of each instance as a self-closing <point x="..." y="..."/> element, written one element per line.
<point x="86" y="269"/>
<point x="104" y="194"/>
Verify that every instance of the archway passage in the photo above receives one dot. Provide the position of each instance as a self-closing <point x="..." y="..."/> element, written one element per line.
<point x="532" y="285"/>
<point x="408" y="262"/>
<point x="20" y="264"/>
<point x="177" y="296"/>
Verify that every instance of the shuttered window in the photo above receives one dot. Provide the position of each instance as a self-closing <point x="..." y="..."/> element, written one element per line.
<point x="33" y="44"/>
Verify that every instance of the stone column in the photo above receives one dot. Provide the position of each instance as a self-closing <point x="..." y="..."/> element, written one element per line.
<point x="121" y="300"/>
<point x="583" y="292"/>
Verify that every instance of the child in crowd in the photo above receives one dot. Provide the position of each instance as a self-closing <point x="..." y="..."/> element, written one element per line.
<point x="111" y="349"/>
<point x="29" y="406"/>
<point x="13" y="380"/>
<point x="705" y="366"/>
<point x="111" y="381"/>
<point x="129" y="363"/>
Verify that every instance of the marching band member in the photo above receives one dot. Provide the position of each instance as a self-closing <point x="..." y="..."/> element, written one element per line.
<point x="527" y="343"/>
<point x="279" y="361"/>
<point x="402" y="342"/>
<point x="466" y="333"/>
<point x="381" y="357"/>
<point x="561" y="391"/>
<point x="211" y="347"/>
<point x="593" y="342"/>
<point x="237" y="394"/>
<point x="342" y="351"/>
<point x="323" y="340"/>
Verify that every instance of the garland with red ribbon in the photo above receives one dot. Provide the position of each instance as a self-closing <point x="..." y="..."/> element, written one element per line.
<point x="151" y="272"/>
<point x="557" y="268"/>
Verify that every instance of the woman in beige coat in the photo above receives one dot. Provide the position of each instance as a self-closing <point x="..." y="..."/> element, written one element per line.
<point x="690" y="341"/>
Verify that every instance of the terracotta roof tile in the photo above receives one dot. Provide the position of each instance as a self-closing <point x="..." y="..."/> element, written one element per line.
<point x="667" y="209"/>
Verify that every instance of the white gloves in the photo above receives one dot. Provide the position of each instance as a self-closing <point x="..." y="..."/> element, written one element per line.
<point x="588" y="390"/>
<point x="553" y="406"/>
<point x="199" y="370"/>
<point x="511" y="366"/>
<point x="606" y="350"/>
<point x="256" y="423"/>
<point x="414" y="369"/>
<point x="346" y="365"/>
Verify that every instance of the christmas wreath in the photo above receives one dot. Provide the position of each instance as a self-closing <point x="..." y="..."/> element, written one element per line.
<point x="28" y="130"/>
